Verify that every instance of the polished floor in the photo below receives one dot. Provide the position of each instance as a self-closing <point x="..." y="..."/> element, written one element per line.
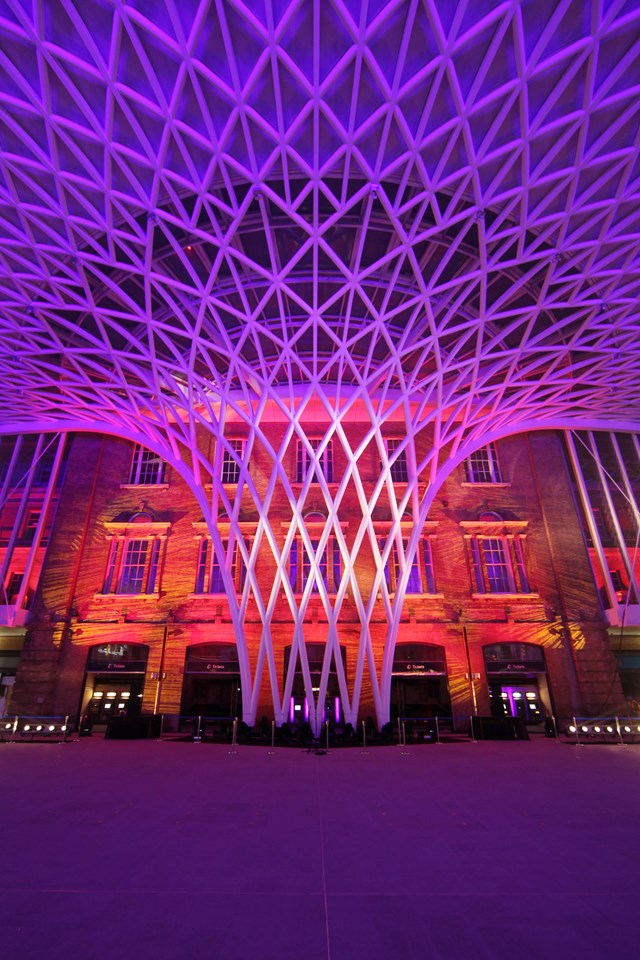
<point x="141" y="850"/>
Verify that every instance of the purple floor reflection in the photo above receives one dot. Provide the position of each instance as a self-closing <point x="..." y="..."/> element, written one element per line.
<point x="164" y="850"/>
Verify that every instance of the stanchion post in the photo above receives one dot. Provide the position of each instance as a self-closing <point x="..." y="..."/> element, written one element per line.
<point x="273" y="737"/>
<point x="399" y="733"/>
<point x="472" y="730"/>
<point x="404" y="738"/>
<point x="198" y="737"/>
<point x="575" y="725"/>
<point x="438" y="740"/>
<point x="67" y="729"/>
<point x="619" y="729"/>
<point x="364" y="738"/>
<point x="326" y="735"/>
<point x="234" y="736"/>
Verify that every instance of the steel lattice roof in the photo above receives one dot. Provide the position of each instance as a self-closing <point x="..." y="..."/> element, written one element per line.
<point x="216" y="200"/>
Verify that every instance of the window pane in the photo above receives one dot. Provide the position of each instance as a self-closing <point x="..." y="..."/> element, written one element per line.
<point x="146" y="467"/>
<point x="399" y="472"/>
<point x="111" y="567"/>
<point x="428" y="566"/>
<point x="387" y="567"/>
<point x="293" y="566"/>
<point x="497" y="567"/>
<point x="304" y="461"/>
<point x="414" y="583"/>
<point x="337" y="565"/>
<point x="201" y="572"/>
<point x="216" y="581"/>
<point x="231" y="461"/>
<point x="133" y="567"/>
<point x="153" y="566"/>
<point x="482" y="466"/>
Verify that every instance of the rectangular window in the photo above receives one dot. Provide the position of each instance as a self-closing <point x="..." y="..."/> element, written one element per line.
<point x="13" y="587"/>
<point x="132" y="567"/>
<point x="498" y="565"/>
<point x="31" y="523"/>
<point x="397" y="460"/>
<point x="421" y="577"/>
<point x="132" y="571"/>
<point x="209" y="574"/>
<point x="231" y="460"/>
<point x="301" y="567"/>
<point x="323" y="468"/>
<point x="482" y="466"/>
<point x="146" y="467"/>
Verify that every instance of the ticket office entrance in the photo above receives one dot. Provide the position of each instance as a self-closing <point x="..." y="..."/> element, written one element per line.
<point x="211" y="685"/>
<point x="331" y="710"/>
<point x="419" y="685"/>
<point x="517" y="679"/>
<point x="114" y="682"/>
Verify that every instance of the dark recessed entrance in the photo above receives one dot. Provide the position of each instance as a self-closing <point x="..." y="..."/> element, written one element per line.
<point x="419" y="682"/>
<point x="211" y="686"/>
<point x="331" y="709"/>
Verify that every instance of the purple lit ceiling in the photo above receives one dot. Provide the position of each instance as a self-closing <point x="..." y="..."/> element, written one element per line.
<point x="205" y="200"/>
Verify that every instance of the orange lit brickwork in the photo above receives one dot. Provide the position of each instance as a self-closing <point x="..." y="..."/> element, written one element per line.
<point x="558" y="611"/>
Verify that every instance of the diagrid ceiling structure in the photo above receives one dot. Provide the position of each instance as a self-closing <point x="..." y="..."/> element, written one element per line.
<point x="426" y="211"/>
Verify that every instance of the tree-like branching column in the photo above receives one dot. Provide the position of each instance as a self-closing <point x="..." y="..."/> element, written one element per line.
<point x="428" y="212"/>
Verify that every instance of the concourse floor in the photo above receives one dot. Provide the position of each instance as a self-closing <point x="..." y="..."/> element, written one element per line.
<point x="149" y="850"/>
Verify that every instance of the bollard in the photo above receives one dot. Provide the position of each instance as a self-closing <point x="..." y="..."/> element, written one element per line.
<point x="273" y="738"/>
<point x="326" y="730"/>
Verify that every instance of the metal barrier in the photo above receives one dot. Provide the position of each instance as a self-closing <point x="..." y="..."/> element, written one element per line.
<point x="418" y="730"/>
<point x="612" y="730"/>
<point x="35" y="729"/>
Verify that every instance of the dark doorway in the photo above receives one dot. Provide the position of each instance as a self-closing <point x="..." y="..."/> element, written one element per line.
<point x="419" y="685"/>
<point x="211" y="686"/>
